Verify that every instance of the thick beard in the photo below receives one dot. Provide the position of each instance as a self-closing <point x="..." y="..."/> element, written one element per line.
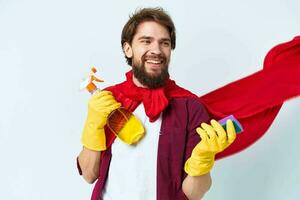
<point x="148" y="80"/>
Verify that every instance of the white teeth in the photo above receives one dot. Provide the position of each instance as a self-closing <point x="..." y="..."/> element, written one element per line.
<point x="154" y="61"/>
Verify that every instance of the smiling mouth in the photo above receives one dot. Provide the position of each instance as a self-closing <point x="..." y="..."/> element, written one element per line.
<point x="155" y="62"/>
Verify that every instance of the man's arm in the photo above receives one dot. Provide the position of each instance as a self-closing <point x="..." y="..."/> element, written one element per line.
<point x="214" y="139"/>
<point x="89" y="162"/>
<point x="100" y="105"/>
<point x="194" y="187"/>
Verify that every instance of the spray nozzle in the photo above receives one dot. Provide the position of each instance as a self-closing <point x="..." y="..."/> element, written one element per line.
<point x="88" y="82"/>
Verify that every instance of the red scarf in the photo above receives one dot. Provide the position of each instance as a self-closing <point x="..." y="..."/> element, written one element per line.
<point x="154" y="100"/>
<point x="254" y="100"/>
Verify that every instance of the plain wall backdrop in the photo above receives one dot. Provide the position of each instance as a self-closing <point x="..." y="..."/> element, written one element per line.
<point x="47" y="47"/>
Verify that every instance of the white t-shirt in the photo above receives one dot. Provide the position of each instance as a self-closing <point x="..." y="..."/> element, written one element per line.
<point x="132" y="171"/>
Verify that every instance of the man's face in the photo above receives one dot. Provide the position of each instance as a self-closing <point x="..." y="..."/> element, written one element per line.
<point x="150" y="52"/>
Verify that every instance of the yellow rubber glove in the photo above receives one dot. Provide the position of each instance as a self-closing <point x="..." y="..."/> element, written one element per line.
<point x="214" y="139"/>
<point x="100" y="105"/>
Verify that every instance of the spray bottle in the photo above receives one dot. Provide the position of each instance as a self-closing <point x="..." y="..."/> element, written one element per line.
<point x="123" y="123"/>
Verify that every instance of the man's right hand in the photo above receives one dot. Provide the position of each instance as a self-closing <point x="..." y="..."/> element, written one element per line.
<point x="100" y="105"/>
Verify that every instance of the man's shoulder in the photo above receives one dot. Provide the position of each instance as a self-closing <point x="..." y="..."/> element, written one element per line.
<point x="185" y="111"/>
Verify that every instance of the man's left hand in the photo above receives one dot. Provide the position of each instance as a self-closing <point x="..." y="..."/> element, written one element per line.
<point x="214" y="139"/>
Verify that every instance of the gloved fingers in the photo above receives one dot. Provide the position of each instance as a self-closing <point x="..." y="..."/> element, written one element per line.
<point x="222" y="136"/>
<point x="106" y="97"/>
<point x="230" y="131"/>
<point x="102" y="106"/>
<point x="109" y="107"/>
<point x="114" y="106"/>
<point x="100" y="96"/>
<point x="104" y="103"/>
<point x="100" y="93"/>
<point x="210" y="131"/>
<point x="203" y="135"/>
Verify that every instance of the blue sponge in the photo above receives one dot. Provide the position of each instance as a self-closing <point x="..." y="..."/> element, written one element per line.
<point x="238" y="127"/>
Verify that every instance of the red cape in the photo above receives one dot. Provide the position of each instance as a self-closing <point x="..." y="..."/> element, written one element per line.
<point x="254" y="100"/>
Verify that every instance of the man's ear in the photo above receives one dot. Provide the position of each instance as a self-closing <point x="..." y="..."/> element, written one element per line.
<point x="127" y="50"/>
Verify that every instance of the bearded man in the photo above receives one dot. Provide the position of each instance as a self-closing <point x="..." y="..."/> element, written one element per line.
<point x="174" y="158"/>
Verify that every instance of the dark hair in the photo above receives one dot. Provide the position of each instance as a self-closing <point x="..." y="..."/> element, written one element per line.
<point x="147" y="14"/>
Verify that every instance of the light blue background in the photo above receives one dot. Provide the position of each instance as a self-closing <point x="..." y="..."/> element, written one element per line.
<point x="46" y="47"/>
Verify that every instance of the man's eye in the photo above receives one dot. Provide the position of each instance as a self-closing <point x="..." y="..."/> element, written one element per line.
<point x="166" y="44"/>
<point x="146" y="41"/>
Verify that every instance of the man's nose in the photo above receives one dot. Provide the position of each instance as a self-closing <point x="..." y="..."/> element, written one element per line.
<point x="155" y="48"/>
